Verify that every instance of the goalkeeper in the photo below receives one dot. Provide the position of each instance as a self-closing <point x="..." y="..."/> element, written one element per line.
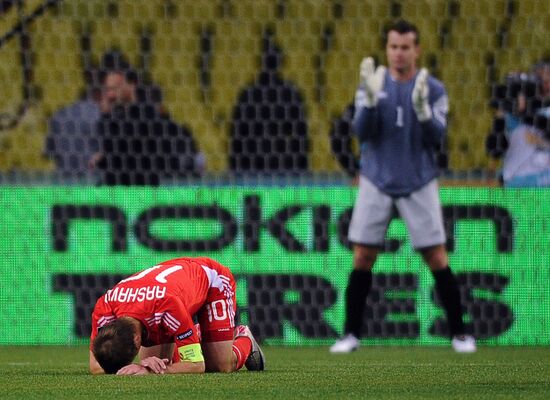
<point x="400" y="119"/>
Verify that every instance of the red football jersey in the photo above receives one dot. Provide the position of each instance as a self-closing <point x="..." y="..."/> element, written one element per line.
<point x="166" y="296"/>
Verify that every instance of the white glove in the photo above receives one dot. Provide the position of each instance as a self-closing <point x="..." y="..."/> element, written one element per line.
<point x="421" y="96"/>
<point x="372" y="81"/>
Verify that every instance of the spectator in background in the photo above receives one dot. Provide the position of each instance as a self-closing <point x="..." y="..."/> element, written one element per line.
<point x="401" y="116"/>
<point x="269" y="131"/>
<point x="72" y="134"/>
<point x="139" y="143"/>
<point x="521" y="129"/>
<point x="185" y="158"/>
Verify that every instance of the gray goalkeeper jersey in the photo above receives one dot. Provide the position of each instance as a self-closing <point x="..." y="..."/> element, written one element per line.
<point x="397" y="151"/>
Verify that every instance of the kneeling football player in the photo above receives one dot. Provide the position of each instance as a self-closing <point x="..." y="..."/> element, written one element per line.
<point x="150" y="314"/>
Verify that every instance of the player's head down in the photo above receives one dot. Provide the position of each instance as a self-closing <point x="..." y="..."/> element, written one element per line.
<point x="115" y="345"/>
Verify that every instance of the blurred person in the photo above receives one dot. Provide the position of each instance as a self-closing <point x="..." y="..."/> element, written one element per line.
<point x="400" y="119"/>
<point x="118" y="87"/>
<point x="518" y="99"/>
<point x="139" y="143"/>
<point x="151" y="314"/>
<point x="72" y="140"/>
<point x="269" y="133"/>
<point x="521" y="129"/>
<point x="527" y="160"/>
<point x="184" y="158"/>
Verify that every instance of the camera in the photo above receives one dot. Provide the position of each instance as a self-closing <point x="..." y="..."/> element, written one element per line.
<point x="519" y="94"/>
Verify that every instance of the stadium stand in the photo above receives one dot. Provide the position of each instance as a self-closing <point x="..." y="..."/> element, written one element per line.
<point x="202" y="53"/>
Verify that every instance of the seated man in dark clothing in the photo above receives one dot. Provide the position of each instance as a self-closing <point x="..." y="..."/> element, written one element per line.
<point x="141" y="146"/>
<point x="139" y="143"/>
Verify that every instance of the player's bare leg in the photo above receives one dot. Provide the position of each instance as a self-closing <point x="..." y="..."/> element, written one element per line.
<point x="219" y="356"/>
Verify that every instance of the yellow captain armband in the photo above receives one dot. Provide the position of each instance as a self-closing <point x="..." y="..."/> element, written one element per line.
<point x="191" y="352"/>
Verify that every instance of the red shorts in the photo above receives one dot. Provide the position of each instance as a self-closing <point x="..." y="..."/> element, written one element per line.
<point x="217" y="316"/>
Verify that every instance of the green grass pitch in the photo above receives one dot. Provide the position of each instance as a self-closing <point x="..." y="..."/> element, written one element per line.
<point x="53" y="372"/>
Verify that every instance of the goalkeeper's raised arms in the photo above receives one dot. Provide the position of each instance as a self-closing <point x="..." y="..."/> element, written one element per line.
<point x="421" y="96"/>
<point x="371" y="80"/>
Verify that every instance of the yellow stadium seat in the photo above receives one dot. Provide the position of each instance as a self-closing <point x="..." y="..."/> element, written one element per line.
<point x="259" y="10"/>
<point x="358" y="35"/>
<point x="299" y="45"/>
<point x="57" y="68"/>
<point x="119" y="33"/>
<point x="9" y="20"/>
<point x="198" y="10"/>
<point x="298" y="27"/>
<point x="320" y="154"/>
<point x="11" y="71"/>
<point x="175" y="68"/>
<point x="426" y="15"/>
<point x="342" y="79"/>
<point x="311" y="10"/>
<point x="136" y="11"/>
<point x="235" y="62"/>
<point x="22" y="146"/>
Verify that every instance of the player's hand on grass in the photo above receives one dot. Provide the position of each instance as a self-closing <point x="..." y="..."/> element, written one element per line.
<point x="372" y="80"/>
<point x="155" y="364"/>
<point x="133" y="369"/>
<point x="421" y="95"/>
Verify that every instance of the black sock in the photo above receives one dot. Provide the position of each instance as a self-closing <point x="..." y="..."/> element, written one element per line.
<point x="449" y="294"/>
<point x="359" y="285"/>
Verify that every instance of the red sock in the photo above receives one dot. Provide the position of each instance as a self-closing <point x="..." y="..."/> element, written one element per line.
<point x="242" y="346"/>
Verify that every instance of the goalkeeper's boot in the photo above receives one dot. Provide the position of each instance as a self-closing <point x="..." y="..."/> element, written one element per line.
<point x="256" y="359"/>
<point x="464" y="344"/>
<point x="346" y="344"/>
